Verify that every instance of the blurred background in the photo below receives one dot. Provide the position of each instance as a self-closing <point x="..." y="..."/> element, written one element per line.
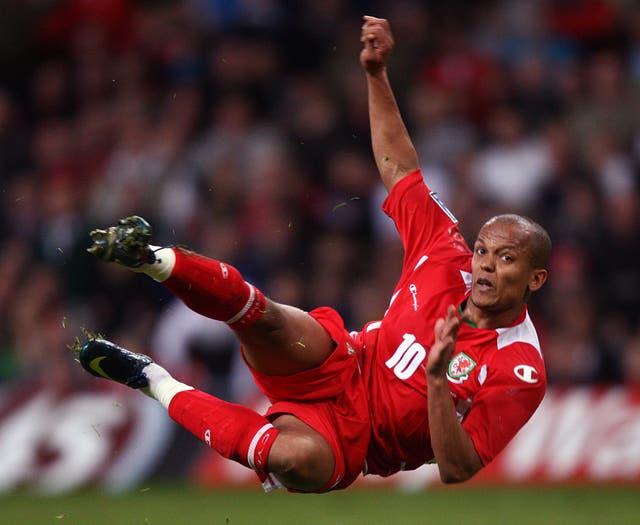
<point x="239" y="128"/>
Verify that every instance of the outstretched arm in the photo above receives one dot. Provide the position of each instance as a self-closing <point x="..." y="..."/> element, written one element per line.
<point x="454" y="451"/>
<point x="393" y="150"/>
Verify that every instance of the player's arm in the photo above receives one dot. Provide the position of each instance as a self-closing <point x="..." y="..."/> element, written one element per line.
<point x="455" y="454"/>
<point x="393" y="150"/>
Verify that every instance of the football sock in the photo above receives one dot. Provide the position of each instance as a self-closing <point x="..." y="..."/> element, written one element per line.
<point x="210" y="287"/>
<point x="161" y="268"/>
<point x="162" y="386"/>
<point x="236" y="432"/>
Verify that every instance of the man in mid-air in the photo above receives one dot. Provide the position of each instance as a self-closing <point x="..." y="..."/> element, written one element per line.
<point x="449" y="375"/>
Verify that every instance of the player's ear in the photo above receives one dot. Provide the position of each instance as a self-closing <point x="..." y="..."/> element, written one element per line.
<point x="537" y="279"/>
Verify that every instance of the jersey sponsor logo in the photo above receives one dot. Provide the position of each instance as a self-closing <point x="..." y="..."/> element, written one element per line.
<point x="436" y="198"/>
<point x="526" y="373"/>
<point x="460" y="367"/>
<point x="414" y="294"/>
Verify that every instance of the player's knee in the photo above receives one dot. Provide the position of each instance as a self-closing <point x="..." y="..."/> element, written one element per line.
<point x="302" y="462"/>
<point x="273" y="318"/>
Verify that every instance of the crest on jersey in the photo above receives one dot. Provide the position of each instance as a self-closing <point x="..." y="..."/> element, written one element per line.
<point x="460" y="367"/>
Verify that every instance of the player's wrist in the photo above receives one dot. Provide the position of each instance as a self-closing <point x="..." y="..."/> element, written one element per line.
<point x="377" y="72"/>
<point x="437" y="379"/>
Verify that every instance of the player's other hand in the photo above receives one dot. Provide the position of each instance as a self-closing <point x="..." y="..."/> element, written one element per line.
<point x="446" y="332"/>
<point x="377" y="43"/>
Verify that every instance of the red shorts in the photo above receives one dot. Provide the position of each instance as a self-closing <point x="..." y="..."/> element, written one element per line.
<point x="330" y="398"/>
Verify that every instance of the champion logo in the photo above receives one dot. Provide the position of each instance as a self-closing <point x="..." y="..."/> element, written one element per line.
<point x="207" y="437"/>
<point x="414" y="294"/>
<point x="224" y="270"/>
<point x="526" y="373"/>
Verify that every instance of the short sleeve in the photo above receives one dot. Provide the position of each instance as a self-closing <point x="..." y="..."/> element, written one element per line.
<point x="504" y="404"/>
<point x="422" y="219"/>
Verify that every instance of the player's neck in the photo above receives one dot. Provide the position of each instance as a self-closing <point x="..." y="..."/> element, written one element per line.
<point x="488" y="319"/>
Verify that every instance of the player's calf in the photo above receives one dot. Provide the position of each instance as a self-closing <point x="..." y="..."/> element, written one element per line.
<point x="236" y="432"/>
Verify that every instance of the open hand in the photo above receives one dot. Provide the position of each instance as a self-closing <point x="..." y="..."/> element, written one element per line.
<point x="446" y="332"/>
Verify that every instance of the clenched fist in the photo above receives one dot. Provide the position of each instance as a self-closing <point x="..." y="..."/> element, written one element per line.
<point x="378" y="43"/>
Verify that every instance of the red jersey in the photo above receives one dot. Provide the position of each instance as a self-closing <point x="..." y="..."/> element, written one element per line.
<point x="496" y="377"/>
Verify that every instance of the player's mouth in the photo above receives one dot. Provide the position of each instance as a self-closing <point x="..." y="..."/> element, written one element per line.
<point x="484" y="284"/>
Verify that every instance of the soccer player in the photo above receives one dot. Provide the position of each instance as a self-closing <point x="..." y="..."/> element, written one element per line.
<point x="450" y="373"/>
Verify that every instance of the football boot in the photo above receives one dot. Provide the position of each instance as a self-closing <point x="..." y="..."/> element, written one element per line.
<point x="102" y="358"/>
<point x="126" y="243"/>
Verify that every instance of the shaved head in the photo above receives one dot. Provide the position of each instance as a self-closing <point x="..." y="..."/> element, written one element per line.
<point x="537" y="237"/>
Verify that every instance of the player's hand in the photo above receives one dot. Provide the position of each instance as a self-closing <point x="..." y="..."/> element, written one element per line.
<point x="446" y="332"/>
<point x="377" y="43"/>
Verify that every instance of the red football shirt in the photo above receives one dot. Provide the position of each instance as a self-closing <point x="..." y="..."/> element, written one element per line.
<point x="496" y="377"/>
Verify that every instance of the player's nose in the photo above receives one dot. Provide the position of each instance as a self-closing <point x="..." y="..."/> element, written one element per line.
<point x="488" y="263"/>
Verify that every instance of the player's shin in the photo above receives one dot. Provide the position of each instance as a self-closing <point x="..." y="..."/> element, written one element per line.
<point x="214" y="289"/>
<point x="236" y="432"/>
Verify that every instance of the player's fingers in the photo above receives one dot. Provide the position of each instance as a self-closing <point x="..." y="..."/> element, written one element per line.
<point x="370" y="31"/>
<point x="448" y="341"/>
<point x="377" y="24"/>
<point x="373" y="27"/>
<point x="370" y="21"/>
<point x="374" y="30"/>
<point x="438" y="328"/>
<point x="451" y="312"/>
<point x="452" y="322"/>
<point x="369" y="18"/>
<point x="450" y="317"/>
<point x="366" y="40"/>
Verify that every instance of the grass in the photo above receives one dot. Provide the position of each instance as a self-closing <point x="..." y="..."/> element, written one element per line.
<point x="176" y="505"/>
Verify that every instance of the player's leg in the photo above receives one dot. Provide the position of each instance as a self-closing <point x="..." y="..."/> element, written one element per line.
<point x="296" y="454"/>
<point x="300" y="456"/>
<point x="277" y="339"/>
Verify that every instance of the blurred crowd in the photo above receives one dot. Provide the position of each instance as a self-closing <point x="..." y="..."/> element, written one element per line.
<point x="239" y="128"/>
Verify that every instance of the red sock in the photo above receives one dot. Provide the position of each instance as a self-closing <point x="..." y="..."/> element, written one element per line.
<point x="215" y="289"/>
<point x="236" y="432"/>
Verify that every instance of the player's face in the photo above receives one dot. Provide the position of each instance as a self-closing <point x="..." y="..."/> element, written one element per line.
<point x="501" y="268"/>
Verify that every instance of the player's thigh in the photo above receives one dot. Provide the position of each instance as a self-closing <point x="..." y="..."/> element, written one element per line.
<point x="285" y="340"/>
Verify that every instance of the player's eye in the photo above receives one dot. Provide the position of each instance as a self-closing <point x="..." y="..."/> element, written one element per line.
<point x="480" y="250"/>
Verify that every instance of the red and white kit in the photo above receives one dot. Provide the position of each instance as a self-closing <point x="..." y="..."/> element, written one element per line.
<point x="496" y="377"/>
<point x="369" y="398"/>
